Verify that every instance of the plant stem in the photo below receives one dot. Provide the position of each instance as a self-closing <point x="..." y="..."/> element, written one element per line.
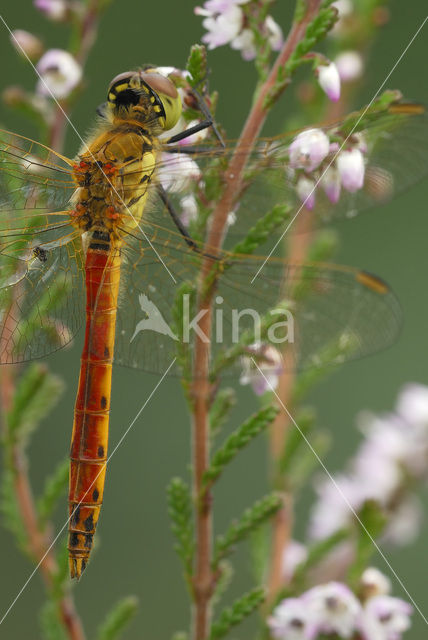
<point x="204" y="580"/>
<point x="38" y="542"/>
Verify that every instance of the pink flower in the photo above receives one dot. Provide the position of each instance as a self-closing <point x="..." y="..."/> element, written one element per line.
<point x="412" y="404"/>
<point x="222" y="24"/>
<point x="333" y="608"/>
<point x="305" y="189"/>
<point x="177" y="171"/>
<point x="290" y="620"/>
<point x="349" y="65"/>
<point x="265" y="376"/>
<point x="27" y="43"/>
<point x="329" y="80"/>
<point x="351" y="168"/>
<point x="59" y="72"/>
<point x="385" y="618"/>
<point x="374" y="583"/>
<point x="331" y="184"/>
<point x="309" y="149"/>
<point x="53" y="9"/>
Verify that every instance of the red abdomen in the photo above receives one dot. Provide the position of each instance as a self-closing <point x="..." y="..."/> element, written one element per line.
<point x="89" y="440"/>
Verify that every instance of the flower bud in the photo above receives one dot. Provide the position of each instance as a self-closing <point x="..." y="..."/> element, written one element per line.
<point x="306" y="191"/>
<point x="330" y="182"/>
<point x="329" y="80"/>
<point x="309" y="149"/>
<point x="350" y="165"/>
<point x="27" y="44"/>
<point x="349" y="65"/>
<point x="55" y="10"/>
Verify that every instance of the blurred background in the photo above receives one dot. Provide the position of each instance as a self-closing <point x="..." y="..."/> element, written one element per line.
<point x="134" y="554"/>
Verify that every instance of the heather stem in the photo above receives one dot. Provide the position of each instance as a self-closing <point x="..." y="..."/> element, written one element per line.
<point x="204" y="580"/>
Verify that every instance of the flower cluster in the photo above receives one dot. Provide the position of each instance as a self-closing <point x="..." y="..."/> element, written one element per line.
<point x="59" y="72"/>
<point x="391" y="460"/>
<point x="332" y="608"/>
<point x="315" y="160"/>
<point x="226" y="23"/>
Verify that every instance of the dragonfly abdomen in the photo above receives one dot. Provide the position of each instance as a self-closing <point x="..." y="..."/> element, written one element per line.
<point x="88" y="456"/>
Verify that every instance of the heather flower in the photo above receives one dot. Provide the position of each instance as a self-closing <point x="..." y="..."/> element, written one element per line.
<point x="290" y="620"/>
<point x="53" y="9"/>
<point x="350" y="165"/>
<point x="265" y="376"/>
<point x="223" y="22"/>
<point x="309" y="149"/>
<point x="385" y="618"/>
<point x="27" y="44"/>
<point x="333" y="608"/>
<point x="177" y="171"/>
<point x="59" y="74"/>
<point x="305" y="189"/>
<point x="349" y="65"/>
<point x="412" y="404"/>
<point x="374" y="583"/>
<point x="329" y="80"/>
<point x="330" y="182"/>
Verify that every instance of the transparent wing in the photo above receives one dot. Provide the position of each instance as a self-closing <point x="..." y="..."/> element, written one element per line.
<point x="32" y="178"/>
<point x="41" y="282"/>
<point x="329" y="309"/>
<point x="395" y="150"/>
<point x="41" y="297"/>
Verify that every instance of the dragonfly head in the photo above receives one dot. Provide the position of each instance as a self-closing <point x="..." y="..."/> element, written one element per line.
<point x="144" y="94"/>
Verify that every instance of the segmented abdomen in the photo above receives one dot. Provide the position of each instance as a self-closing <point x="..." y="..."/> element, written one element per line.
<point x="91" y="415"/>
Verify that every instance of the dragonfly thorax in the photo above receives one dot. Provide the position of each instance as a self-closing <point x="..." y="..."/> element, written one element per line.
<point x="113" y="178"/>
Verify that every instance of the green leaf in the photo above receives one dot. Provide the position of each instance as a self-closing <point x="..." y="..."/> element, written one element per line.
<point x="197" y="64"/>
<point x="220" y="409"/>
<point x="37" y="392"/>
<point x="261" y="231"/>
<point x="371" y="524"/>
<point x="118" y="618"/>
<point x="250" y="520"/>
<point x="11" y="519"/>
<point x="50" y="622"/>
<point x="55" y="487"/>
<point x="180" y="511"/>
<point x="237" y="441"/>
<point x="237" y="612"/>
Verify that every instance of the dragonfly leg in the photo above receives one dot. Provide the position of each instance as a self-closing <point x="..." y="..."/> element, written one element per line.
<point x="205" y="124"/>
<point x="180" y="226"/>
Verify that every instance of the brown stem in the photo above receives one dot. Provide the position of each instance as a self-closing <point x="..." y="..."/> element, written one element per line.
<point x="38" y="542"/>
<point x="204" y="581"/>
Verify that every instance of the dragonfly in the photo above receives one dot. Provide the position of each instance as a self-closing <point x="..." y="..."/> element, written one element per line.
<point x="100" y="237"/>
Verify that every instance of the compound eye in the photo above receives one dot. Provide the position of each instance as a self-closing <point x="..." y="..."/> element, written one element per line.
<point x="160" y="84"/>
<point x="124" y="77"/>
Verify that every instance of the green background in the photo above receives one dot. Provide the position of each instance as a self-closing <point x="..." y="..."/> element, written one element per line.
<point x="135" y="554"/>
